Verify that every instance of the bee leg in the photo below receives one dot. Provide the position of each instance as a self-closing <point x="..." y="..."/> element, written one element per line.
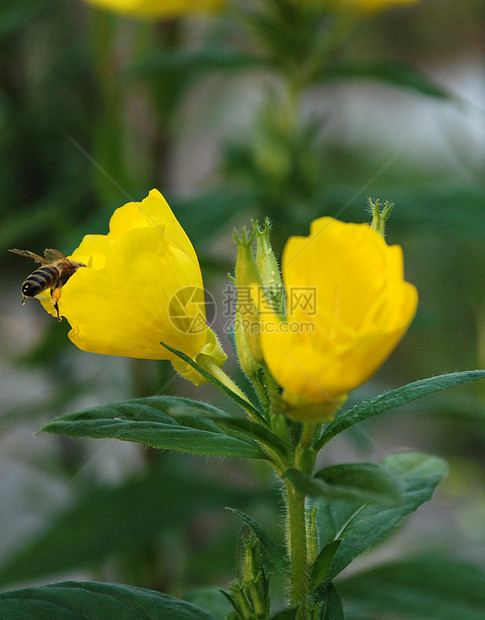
<point x="56" y="308"/>
<point x="23" y="300"/>
<point x="55" y="296"/>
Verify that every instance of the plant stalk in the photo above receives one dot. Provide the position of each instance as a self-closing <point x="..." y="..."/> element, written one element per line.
<point x="297" y="544"/>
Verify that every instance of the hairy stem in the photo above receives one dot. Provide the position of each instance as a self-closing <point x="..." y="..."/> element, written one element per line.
<point x="297" y="544"/>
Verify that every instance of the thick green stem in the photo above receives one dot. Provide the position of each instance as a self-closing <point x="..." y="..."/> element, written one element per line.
<point x="297" y="544"/>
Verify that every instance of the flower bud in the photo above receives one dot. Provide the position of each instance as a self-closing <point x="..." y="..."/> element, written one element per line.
<point x="268" y="269"/>
<point x="247" y="328"/>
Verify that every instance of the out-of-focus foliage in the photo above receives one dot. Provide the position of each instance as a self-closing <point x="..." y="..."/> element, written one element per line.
<point x="461" y="597"/>
<point x="107" y="523"/>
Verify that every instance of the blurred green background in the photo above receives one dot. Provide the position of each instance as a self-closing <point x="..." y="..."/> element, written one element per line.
<point x="97" y="109"/>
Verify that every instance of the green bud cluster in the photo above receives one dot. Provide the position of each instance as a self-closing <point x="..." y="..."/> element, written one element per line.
<point x="258" y="281"/>
<point x="379" y="217"/>
<point x="249" y="593"/>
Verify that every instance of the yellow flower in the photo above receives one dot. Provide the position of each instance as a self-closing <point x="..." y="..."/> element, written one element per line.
<point x="370" y="6"/>
<point x="348" y="306"/>
<point x="141" y="285"/>
<point x="158" y="8"/>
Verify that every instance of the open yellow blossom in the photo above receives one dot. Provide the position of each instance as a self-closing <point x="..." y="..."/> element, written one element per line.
<point x="348" y="306"/>
<point x="159" y="8"/>
<point x="141" y="285"/>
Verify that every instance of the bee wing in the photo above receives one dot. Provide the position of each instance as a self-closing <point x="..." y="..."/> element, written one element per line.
<point x="53" y="255"/>
<point x="36" y="257"/>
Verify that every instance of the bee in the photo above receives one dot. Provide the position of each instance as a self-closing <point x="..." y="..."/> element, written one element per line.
<point x="55" y="272"/>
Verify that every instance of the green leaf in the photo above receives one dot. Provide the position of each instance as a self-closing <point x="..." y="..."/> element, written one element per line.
<point x="397" y="74"/>
<point x="360" y="525"/>
<point x="71" y="600"/>
<point x="243" y="428"/>
<point x="366" y="482"/>
<point x="323" y="562"/>
<point x="237" y="424"/>
<point x="196" y="61"/>
<point x="125" y="519"/>
<point x="171" y="71"/>
<point x="275" y="557"/>
<point x="210" y="599"/>
<point x="396" y="398"/>
<point x="435" y="588"/>
<point x="149" y="421"/>
<point x="331" y="604"/>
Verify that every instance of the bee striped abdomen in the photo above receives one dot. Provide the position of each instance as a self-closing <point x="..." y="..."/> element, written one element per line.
<point x="55" y="272"/>
<point x="39" y="280"/>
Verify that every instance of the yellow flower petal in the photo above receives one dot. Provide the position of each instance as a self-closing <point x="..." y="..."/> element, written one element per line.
<point x="92" y="251"/>
<point x="151" y="212"/>
<point x="212" y="351"/>
<point x="158" y="8"/>
<point x="142" y="285"/>
<point x="358" y="307"/>
<point x="122" y="308"/>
